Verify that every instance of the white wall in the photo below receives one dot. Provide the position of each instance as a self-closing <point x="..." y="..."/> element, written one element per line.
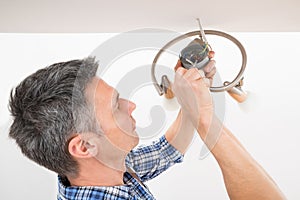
<point x="269" y="130"/>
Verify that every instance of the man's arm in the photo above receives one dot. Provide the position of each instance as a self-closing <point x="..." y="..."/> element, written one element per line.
<point x="244" y="178"/>
<point x="181" y="132"/>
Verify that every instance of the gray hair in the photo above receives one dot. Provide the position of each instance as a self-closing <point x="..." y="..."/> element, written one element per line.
<point x="48" y="108"/>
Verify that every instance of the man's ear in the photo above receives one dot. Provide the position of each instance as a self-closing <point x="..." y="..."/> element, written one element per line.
<point x="77" y="148"/>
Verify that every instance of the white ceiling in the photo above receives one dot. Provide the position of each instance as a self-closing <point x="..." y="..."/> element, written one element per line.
<point x="125" y="15"/>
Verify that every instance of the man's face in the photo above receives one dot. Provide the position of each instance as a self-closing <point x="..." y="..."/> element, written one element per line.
<point x="113" y="115"/>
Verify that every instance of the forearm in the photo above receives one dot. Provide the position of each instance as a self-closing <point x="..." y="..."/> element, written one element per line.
<point x="181" y="132"/>
<point x="244" y="178"/>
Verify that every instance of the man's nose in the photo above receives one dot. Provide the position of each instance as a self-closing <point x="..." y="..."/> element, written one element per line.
<point x="131" y="107"/>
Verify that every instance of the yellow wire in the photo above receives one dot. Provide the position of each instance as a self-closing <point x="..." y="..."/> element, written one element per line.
<point x="206" y="45"/>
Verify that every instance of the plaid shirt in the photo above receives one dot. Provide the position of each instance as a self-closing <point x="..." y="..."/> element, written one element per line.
<point x="147" y="162"/>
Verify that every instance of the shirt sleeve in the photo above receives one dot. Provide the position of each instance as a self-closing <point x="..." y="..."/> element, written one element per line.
<point x="150" y="161"/>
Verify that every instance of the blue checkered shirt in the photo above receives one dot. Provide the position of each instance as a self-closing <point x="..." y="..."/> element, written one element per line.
<point x="147" y="162"/>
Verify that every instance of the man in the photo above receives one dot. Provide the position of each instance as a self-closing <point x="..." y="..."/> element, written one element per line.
<point x="73" y="123"/>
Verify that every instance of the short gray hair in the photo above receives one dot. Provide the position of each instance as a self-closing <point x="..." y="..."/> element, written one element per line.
<point x="48" y="108"/>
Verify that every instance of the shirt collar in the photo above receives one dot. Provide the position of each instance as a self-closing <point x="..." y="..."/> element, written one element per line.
<point x="130" y="188"/>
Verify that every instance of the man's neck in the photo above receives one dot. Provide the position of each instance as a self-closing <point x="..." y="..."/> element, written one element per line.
<point x="95" y="173"/>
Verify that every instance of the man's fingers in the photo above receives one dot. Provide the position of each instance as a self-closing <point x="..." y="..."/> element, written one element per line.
<point x="211" y="54"/>
<point x="181" y="71"/>
<point x="194" y="74"/>
<point x="210" y="81"/>
<point x="178" y="64"/>
<point x="207" y="82"/>
<point x="211" y="73"/>
<point x="209" y="66"/>
<point x="206" y="74"/>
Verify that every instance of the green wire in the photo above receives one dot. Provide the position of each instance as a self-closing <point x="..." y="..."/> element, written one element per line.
<point x="206" y="45"/>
